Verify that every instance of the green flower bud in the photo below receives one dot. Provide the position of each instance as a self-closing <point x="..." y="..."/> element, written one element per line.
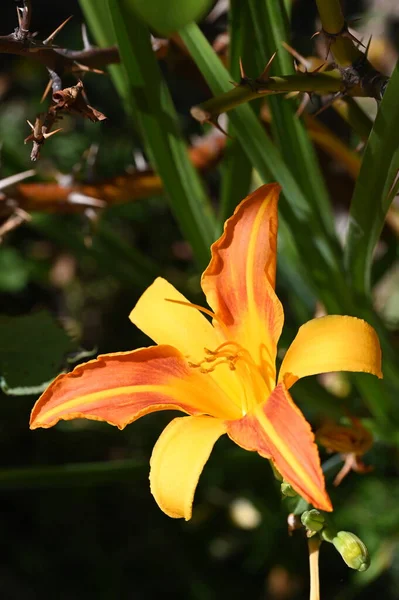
<point x="288" y="490"/>
<point x="352" y="550"/>
<point x="313" y="520"/>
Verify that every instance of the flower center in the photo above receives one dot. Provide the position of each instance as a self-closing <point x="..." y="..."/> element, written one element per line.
<point x="252" y="385"/>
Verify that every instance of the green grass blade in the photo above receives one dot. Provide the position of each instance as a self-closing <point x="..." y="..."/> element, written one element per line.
<point x="371" y="198"/>
<point x="269" y="22"/>
<point x="153" y="110"/>
<point x="79" y="474"/>
<point x="236" y="168"/>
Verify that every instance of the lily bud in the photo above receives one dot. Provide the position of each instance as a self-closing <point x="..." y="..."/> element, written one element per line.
<point x="313" y="520"/>
<point x="352" y="550"/>
<point x="288" y="490"/>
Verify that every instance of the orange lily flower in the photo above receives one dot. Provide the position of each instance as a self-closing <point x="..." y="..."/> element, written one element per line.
<point x="222" y="374"/>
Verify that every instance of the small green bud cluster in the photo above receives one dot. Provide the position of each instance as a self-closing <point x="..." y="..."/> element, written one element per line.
<point x="350" y="547"/>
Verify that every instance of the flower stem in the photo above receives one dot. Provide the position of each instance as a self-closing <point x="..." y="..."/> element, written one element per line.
<point x="314" y="545"/>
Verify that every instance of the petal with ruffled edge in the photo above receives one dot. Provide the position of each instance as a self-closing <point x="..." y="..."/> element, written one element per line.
<point x="178" y="459"/>
<point x="277" y="430"/>
<point x="119" y="388"/>
<point x="239" y="281"/>
<point x="332" y="343"/>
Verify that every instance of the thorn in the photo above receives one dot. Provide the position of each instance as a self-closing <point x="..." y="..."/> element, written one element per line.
<point x="316" y="33"/>
<point x="301" y="59"/>
<point x="264" y="76"/>
<point x="46" y="91"/>
<point x="368" y="47"/>
<point x="319" y="69"/>
<point x="48" y="135"/>
<point x="216" y="124"/>
<point x="82" y="199"/>
<point x="78" y="67"/>
<point x="20" y="12"/>
<point x="329" y="103"/>
<point x="85" y="38"/>
<point x="242" y="72"/>
<point x="50" y="38"/>
<point x="13" y="222"/>
<point x="13" y="179"/>
<point x="30" y="125"/>
<point x="304" y="102"/>
<point x="348" y="34"/>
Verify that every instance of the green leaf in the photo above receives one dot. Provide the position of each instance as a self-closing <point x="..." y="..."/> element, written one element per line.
<point x="167" y="16"/>
<point x="80" y="474"/>
<point x="142" y="86"/>
<point x="269" y="22"/>
<point x="236" y="166"/>
<point x="14" y="273"/>
<point x="32" y="349"/>
<point x="371" y="198"/>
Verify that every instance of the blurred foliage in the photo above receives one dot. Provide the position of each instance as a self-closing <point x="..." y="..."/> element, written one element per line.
<point x="77" y="517"/>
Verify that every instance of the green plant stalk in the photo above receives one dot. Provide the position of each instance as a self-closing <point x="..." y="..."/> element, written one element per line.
<point x="371" y="197"/>
<point x="334" y="25"/>
<point x="79" y="474"/>
<point x="354" y="115"/>
<point x="150" y="102"/>
<point x="270" y="25"/>
<point x="331" y="15"/>
<point x="245" y="92"/>
<point x="236" y="167"/>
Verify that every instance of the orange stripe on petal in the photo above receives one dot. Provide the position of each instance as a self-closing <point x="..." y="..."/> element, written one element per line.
<point x="332" y="343"/>
<point x="119" y="388"/>
<point x="178" y="459"/>
<point x="239" y="281"/>
<point x="278" y="430"/>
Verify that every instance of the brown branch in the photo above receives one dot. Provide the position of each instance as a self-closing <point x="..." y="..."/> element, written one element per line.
<point x="75" y="198"/>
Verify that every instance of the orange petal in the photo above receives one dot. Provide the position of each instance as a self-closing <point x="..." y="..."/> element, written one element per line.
<point x="119" y="388"/>
<point x="239" y="281"/>
<point x="332" y="343"/>
<point x="278" y="430"/>
<point x="178" y="459"/>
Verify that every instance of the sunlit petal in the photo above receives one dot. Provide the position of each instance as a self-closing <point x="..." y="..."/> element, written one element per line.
<point x="119" y="388"/>
<point x="332" y="343"/>
<point x="167" y="322"/>
<point x="183" y="327"/>
<point x="278" y="430"/>
<point x="178" y="459"/>
<point x="239" y="281"/>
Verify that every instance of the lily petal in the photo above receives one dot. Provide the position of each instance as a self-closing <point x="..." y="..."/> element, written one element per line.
<point x="278" y="430"/>
<point x="239" y="281"/>
<point x="119" y="388"/>
<point x="183" y="327"/>
<point x="332" y="343"/>
<point x="178" y="459"/>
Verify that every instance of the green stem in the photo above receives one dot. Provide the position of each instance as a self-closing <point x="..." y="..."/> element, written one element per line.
<point x="303" y="82"/>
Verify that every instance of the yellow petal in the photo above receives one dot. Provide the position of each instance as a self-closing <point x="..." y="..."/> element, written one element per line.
<point x="332" y="343"/>
<point x="178" y="459"/>
<point x="169" y="323"/>
<point x="183" y="327"/>
<point x="239" y="281"/>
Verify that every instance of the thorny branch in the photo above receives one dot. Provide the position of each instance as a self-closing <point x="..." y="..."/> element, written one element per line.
<point x="59" y="62"/>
